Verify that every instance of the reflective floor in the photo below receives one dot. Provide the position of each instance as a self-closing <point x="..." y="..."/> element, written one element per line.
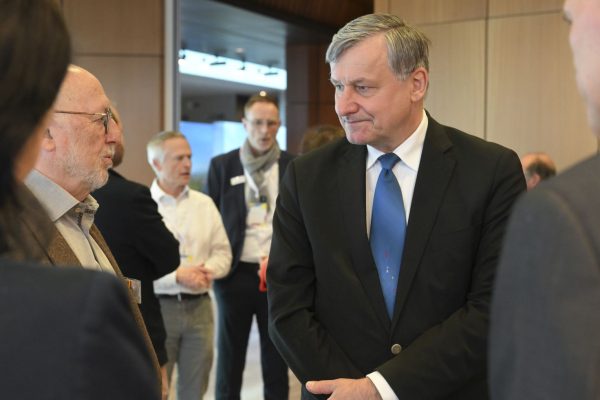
<point x="252" y="381"/>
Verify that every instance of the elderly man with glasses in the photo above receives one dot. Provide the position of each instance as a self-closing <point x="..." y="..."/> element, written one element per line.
<point x="244" y="184"/>
<point x="77" y="151"/>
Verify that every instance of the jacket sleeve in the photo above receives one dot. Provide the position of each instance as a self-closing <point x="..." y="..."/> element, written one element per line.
<point x="219" y="261"/>
<point x="302" y="340"/>
<point x="152" y="238"/>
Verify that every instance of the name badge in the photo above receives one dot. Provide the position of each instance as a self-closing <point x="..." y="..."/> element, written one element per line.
<point x="236" y="180"/>
<point x="135" y="288"/>
<point x="257" y="214"/>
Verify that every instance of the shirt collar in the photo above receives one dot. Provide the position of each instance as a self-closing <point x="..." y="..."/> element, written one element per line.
<point x="159" y="195"/>
<point x="55" y="199"/>
<point x="409" y="151"/>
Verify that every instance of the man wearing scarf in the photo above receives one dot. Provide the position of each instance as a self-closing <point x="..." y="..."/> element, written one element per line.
<point x="244" y="185"/>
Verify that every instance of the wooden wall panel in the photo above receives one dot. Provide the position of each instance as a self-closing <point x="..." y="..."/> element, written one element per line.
<point x="533" y="102"/>
<point x="457" y="75"/>
<point x="436" y="11"/>
<point x="121" y="42"/>
<point x="381" y="6"/>
<point x="511" y="7"/>
<point x="115" y="26"/>
<point x="134" y="85"/>
<point x="309" y="94"/>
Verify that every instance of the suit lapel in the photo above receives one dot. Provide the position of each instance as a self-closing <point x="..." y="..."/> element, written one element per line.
<point x="351" y="180"/>
<point x="97" y="236"/>
<point x="60" y="252"/>
<point x="435" y="170"/>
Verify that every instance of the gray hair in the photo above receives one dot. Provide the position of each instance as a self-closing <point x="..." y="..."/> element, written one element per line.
<point x="154" y="148"/>
<point x="408" y="48"/>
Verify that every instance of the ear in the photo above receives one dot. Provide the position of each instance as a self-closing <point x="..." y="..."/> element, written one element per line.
<point x="157" y="165"/>
<point x="48" y="141"/>
<point x="534" y="181"/>
<point x="420" y="81"/>
<point x="245" y="123"/>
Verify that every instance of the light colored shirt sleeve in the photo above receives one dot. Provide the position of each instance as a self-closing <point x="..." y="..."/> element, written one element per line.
<point x="384" y="389"/>
<point x="168" y="284"/>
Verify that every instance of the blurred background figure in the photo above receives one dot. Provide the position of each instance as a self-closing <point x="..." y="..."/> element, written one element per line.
<point x="244" y="184"/>
<point x="205" y="255"/>
<point x="141" y="243"/>
<point x="317" y="136"/>
<point x="537" y="167"/>
<point x="66" y="333"/>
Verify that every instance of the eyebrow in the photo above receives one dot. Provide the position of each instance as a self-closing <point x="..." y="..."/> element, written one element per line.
<point x="354" y="82"/>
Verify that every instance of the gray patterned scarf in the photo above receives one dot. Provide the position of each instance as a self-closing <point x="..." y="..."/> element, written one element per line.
<point x="257" y="165"/>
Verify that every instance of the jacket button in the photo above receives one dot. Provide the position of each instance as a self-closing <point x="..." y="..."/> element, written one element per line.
<point x="396" y="349"/>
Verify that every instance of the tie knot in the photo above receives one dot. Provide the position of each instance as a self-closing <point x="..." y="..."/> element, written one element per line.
<point x="388" y="161"/>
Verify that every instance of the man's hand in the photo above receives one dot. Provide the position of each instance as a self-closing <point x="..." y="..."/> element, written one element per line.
<point x="165" y="382"/>
<point x="194" y="277"/>
<point x="345" y="389"/>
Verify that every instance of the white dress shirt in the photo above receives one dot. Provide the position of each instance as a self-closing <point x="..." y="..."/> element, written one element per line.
<point x="405" y="172"/>
<point x="72" y="218"/>
<point x="194" y="220"/>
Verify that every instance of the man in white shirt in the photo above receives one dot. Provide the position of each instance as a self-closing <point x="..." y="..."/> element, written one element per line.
<point x="205" y="255"/>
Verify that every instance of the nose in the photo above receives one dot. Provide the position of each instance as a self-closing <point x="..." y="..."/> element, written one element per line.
<point x="264" y="127"/>
<point x="114" y="132"/>
<point x="345" y="103"/>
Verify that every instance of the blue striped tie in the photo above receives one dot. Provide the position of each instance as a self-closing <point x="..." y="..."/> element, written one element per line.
<point x="388" y="228"/>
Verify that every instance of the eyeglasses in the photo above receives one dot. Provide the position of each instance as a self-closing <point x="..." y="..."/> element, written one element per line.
<point x="259" y="123"/>
<point x="106" y="116"/>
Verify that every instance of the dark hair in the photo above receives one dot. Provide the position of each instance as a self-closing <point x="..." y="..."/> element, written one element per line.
<point x="35" y="51"/>
<point x="540" y="167"/>
<point x="259" y="98"/>
<point x="319" y="135"/>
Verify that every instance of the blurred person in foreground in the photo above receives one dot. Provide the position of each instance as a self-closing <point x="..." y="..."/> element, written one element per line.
<point x="385" y="244"/>
<point x="545" y="324"/>
<point x="141" y="243"/>
<point x="537" y="167"/>
<point x="66" y="333"/>
<point x="319" y="135"/>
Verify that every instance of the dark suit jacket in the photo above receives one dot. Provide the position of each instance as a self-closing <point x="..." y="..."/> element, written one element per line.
<point x="59" y="253"/>
<point x="68" y="334"/>
<point x="141" y="243"/>
<point x="545" y="330"/>
<point x="230" y="199"/>
<point x="327" y="313"/>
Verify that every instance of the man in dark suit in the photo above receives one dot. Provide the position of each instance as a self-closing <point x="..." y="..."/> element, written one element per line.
<point x="364" y="309"/>
<point x="141" y="243"/>
<point x="244" y="184"/>
<point x="545" y="325"/>
<point x="71" y="336"/>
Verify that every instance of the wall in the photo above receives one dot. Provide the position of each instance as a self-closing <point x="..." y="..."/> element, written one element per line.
<point x="309" y="96"/>
<point x="502" y="70"/>
<point x="121" y="42"/>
